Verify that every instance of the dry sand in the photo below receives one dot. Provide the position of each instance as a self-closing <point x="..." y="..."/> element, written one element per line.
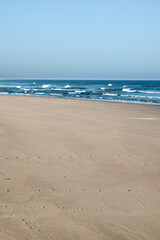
<point x="78" y="170"/>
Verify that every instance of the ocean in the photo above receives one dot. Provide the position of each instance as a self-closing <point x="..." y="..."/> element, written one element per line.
<point x="138" y="92"/>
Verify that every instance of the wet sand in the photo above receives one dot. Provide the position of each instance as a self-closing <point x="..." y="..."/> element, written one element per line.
<point x="81" y="170"/>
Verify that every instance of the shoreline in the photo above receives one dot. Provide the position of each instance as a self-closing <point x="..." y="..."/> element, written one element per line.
<point x="73" y="169"/>
<point x="135" y="92"/>
<point x="82" y="99"/>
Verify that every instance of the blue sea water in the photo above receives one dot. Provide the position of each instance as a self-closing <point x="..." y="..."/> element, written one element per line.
<point x="143" y="92"/>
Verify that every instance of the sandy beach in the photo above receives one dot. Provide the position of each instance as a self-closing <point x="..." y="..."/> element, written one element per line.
<point x="78" y="170"/>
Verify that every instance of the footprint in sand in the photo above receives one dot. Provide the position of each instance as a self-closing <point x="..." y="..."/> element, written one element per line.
<point x="37" y="190"/>
<point x="6" y="190"/>
<point x="6" y="178"/>
<point x="81" y="209"/>
<point x="156" y="191"/>
<point x="61" y="207"/>
<point x="29" y="227"/>
<point x="98" y="190"/>
<point x="68" y="190"/>
<point x="25" y="223"/>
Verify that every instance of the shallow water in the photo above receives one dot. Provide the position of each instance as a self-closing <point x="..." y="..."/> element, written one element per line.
<point x="144" y="92"/>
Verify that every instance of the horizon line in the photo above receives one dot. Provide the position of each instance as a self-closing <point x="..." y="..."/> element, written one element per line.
<point x="105" y="79"/>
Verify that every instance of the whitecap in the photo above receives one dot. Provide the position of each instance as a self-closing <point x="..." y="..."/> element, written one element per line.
<point x="67" y="86"/>
<point x="109" y="84"/>
<point x="59" y="89"/>
<point x="128" y="90"/>
<point x="110" y="94"/>
<point x="18" y="87"/>
<point x="46" y="86"/>
<point x="149" y="91"/>
<point x="78" y="91"/>
<point x="102" y="88"/>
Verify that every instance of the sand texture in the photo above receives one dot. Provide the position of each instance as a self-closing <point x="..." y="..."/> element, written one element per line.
<point x="78" y="170"/>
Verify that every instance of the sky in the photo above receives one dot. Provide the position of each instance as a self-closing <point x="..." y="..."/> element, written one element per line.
<point x="96" y="39"/>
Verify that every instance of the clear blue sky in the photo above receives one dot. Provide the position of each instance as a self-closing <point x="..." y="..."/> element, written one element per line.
<point x="110" y="39"/>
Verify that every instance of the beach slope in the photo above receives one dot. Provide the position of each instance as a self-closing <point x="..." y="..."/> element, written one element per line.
<point x="81" y="170"/>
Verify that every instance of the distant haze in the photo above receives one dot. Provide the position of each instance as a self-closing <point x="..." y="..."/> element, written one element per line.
<point x="116" y="39"/>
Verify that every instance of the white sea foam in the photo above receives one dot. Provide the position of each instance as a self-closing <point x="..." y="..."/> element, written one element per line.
<point x="60" y="89"/>
<point x="67" y="86"/>
<point x="109" y="84"/>
<point x="20" y="94"/>
<point x="102" y="88"/>
<point x="46" y="86"/>
<point x="141" y="96"/>
<point x="7" y="86"/>
<point x="78" y="91"/>
<point x="3" y="93"/>
<point x="149" y="91"/>
<point x="55" y="94"/>
<point x="26" y="89"/>
<point x="39" y="93"/>
<point x="128" y="90"/>
<point x="18" y="87"/>
<point x="110" y="94"/>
